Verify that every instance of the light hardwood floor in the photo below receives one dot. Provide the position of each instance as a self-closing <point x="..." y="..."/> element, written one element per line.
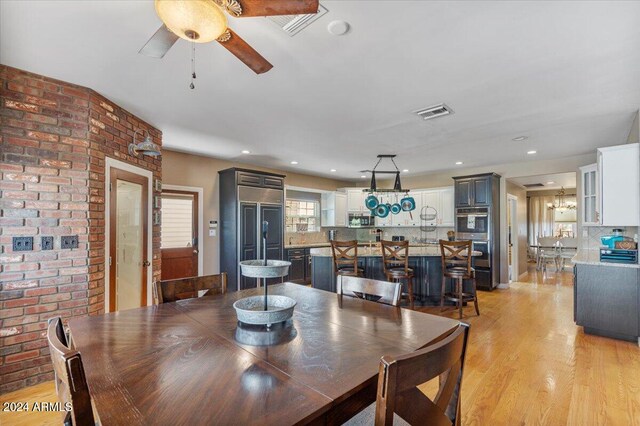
<point x="527" y="363"/>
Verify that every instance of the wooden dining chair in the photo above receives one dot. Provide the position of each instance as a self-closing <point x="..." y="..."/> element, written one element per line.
<point x="548" y="251"/>
<point x="456" y="265"/>
<point x="363" y="288"/>
<point x="70" y="380"/>
<point x="187" y="288"/>
<point x="398" y="399"/>
<point x="568" y="248"/>
<point x="395" y="262"/>
<point x="345" y="258"/>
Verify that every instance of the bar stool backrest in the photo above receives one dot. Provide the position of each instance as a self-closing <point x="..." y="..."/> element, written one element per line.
<point x="456" y="254"/>
<point x="345" y="254"/>
<point x="395" y="254"/>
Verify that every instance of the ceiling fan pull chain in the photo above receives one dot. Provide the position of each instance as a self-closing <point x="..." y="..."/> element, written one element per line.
<point x="193" y="65"/>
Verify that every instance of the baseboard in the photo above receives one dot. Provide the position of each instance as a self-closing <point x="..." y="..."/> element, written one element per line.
<point x="503" y="285"/>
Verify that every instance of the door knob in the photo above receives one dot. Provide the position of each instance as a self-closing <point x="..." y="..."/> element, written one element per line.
<point x="195" y="252"/>
<point x="146" y="263"/>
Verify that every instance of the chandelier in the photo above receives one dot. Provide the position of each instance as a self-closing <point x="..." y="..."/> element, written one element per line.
<point x="561" y="204"/>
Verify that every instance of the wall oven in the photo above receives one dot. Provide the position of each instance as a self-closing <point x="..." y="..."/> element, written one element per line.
<point x="472" y="223"/>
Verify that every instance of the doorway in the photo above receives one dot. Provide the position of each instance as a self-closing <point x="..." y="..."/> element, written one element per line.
<point x="128" y="237"/>
<point x="512" y="236"/>
<point x="181" y="232"/>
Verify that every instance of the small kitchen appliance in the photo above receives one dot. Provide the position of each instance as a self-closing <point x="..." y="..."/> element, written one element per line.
<point x="618" y="256"/>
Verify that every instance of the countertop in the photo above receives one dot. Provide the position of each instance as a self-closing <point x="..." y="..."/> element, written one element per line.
<point x="375" y="251"/>
<point x="307" y="245"/>
<point x="592" y="257"/>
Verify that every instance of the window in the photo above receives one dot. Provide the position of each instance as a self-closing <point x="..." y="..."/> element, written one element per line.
<point x="177" y="221"/>
<point x="302" y="216"/>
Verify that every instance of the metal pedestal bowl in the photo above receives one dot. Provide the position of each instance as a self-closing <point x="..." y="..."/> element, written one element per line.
<point x="250" y="310"/>
<point x="257" y="268"/>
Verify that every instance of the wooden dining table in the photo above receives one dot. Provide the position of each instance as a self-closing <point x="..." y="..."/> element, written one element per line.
<point x="191" y="362"/>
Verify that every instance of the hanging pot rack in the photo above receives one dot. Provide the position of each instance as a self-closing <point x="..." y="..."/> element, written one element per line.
<point x="397" y="186"/>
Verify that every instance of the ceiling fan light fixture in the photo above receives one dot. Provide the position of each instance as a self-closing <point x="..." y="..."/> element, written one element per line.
<point x="200" y="21"/>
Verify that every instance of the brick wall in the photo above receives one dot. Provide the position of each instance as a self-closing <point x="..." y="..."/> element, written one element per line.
<point x="54" y="139"/>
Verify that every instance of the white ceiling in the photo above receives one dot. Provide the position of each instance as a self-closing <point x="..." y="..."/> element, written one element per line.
<point x="566" y="180"/>
<point x="566" y="74"/>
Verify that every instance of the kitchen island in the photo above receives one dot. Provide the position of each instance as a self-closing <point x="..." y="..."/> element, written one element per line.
<point x="424" y="260"/>
<point x="606" y="296"/>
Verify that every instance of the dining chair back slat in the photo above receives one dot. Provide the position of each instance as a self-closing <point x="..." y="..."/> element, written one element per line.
<point x="70" y="379"/>
<point x="187" y="288"/>
<point x="363" y="288"/>
<point x="399" y="377"/>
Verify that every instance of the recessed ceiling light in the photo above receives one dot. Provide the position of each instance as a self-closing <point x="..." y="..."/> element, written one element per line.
<point x="458" y="163"/>
<point x="332" y="170"/>
<point x="520" y="138"/>
<point x="244" y="151"/>
<point x="550" y="182"/>
<point x="405" y="170"/>
<point x="294" y="162"/>
<point x="338" y="28"/>
<point x="531" y="152"/>
<point x="363" y="176"/>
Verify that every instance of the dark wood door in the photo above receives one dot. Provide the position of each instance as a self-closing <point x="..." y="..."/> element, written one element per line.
<point x="463" y="193"/>
<point x="179" y="241"/>
<point x="248" y="238"/>
<point x="128" y="236"/>
<point x="482" y="191"/>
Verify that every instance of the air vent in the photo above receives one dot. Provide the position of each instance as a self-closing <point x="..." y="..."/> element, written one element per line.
<point x="533" y="185"/>
<point x="293" y="24"/>
<point x="434" y="111"/>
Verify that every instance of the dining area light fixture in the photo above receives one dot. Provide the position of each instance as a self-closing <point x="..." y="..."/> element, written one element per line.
<point x="561" y="204"/>
<point x="145" y="147"/>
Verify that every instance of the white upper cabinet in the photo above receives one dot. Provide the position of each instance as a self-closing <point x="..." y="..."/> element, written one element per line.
<point x="355" y="200"/>
<point x="446" y="212"/>
<point x="619" y="170"/>
<point x="333" y="209"/>
<point x="590" y="199"/>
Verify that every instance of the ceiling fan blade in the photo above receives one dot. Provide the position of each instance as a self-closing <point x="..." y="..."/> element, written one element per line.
<point x="276" y="7"/>
<point x="159" y="43"/>
<point x="241" y="49"/>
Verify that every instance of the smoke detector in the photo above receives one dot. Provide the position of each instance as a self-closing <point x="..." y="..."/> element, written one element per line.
<point x="434" y="111"/>
<point x="293" y="24"/>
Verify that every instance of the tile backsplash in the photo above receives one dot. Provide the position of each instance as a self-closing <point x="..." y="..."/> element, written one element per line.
<point x="591" y="235"/>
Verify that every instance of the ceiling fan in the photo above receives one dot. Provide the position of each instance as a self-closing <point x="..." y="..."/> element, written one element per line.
<point x="203" y="21"/>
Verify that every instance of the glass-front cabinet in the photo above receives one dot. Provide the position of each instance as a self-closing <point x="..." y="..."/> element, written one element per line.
<point x="590" y="195"/>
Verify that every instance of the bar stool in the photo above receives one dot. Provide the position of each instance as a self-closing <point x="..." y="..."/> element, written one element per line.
<point x="345" y="258"/>
<point x="395" y="261"/>
<point x="456" y="264"/>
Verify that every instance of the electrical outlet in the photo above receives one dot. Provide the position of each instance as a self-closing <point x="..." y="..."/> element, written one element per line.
<point x="46" y="243"/>
<point x="69" y="242"/>
<point x="22" y="243"/>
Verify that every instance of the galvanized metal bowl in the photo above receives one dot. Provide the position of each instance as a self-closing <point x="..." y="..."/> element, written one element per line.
<point x="250" y="310"/>
<point x="257" y="268"/>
